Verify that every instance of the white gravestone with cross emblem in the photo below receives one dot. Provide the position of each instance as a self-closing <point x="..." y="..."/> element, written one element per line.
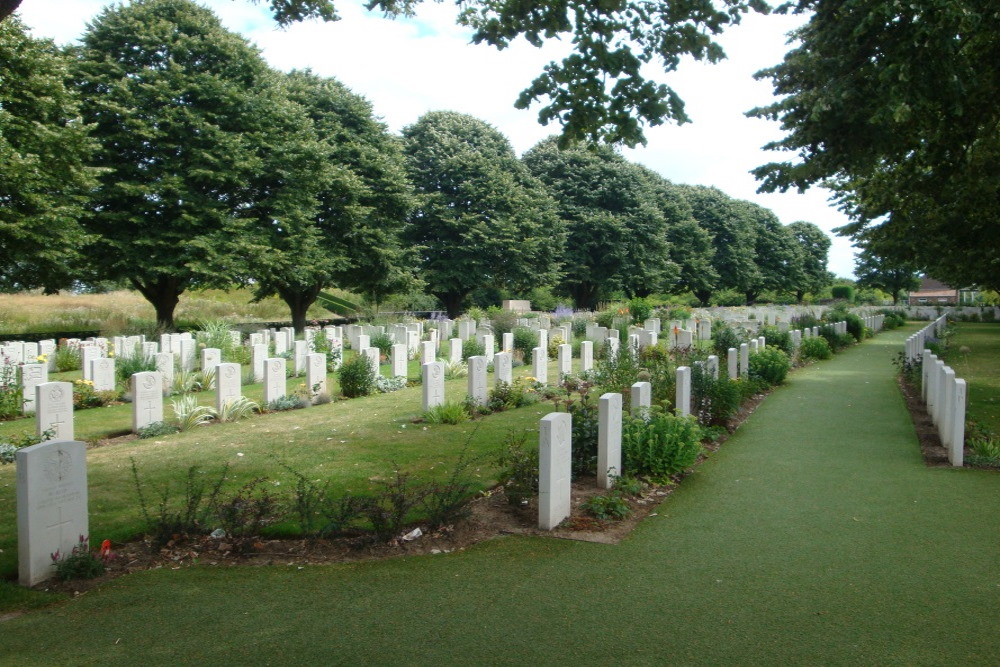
<point x="227" y="384"/>
<point x="433" y="383"/>
<point x="54" y="410"/>
<point x="32" y="375"/>
<point x="51" y="505"/>
<point x="147" y="399"/>
<point x="275" y="383"/>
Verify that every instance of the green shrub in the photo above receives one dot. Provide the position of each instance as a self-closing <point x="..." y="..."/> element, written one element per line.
<point x="447" y="413"/>
<point x="815" y="347"/>
<point x="661" y="446"/>
<point x="608" y="507"/>
<point x="525" y="340"/>
<point x="770" y="365"/>
<point x="855" y="326"/>
<point x="725" y="337"/>
<point x="156" y="429"/>
<point x="126" y="367"/>
<point x="383" y="342"/>
<point x="287" y="402"/>
<point x="68" y="359"/>
<point x="472" y="348"/>
<point x="501" y="321"/>
<point x="357" y="377"/>
<point x="517" y="468"/>
<point x="617" y="372"/>
<point x="778" y="338"/>
<point x="10" y="444"/>
<point x="81" y="563"/>
<point x="845" y="292"/>
<point x="713" y="401"/>
<point x="640" y="310"/>
<point x="585" y="432"/>
<point x="11" y="392"/>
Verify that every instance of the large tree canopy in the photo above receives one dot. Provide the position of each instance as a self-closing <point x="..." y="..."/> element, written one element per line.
<point x="733" y="237"/>
<point x="285" y="12"/>
<point x="777" y="254"/>
<point x="815" y="245"/>
<point x="481" y="219"/>
<point x="872" y="270"/>
<point x="181" y="108"/>
<point x="616" y="226"/>
<point x="43" y="150"/>
<point x="346" y="232"/>
<point x="894" y="107"/>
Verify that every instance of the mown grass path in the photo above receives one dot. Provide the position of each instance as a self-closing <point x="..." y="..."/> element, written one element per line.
<point x="815" y="536"/>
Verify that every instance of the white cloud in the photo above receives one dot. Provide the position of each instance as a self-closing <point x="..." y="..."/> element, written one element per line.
<point x="408" y="67"/>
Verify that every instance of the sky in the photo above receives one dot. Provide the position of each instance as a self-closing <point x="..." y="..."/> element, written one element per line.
<point x="427" y="63"/>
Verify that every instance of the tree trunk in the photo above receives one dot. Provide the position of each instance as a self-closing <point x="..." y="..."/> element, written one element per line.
<point x="800" y="295"/>
<point x="8" y="7"/>
<point x="452" y="302"/>
<point x="895" y="297"/>
<point x="751" y="297"/>
<point x="298" y="302"/>
<point x="164" y="293"/>
<point x="584" y="295"/>
<point x="703" y="296"/>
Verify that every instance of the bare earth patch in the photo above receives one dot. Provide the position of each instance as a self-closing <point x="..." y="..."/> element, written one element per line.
<point x="935" y="455"/>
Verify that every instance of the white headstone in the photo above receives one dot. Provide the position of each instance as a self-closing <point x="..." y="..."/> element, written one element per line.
<point x="186" y="347"/>
<point x="554" y="469"/>
<point x="489" y="343"/>
<point x="210" y="358"/>
<point x="372" y="353"/>
<point x="503" y="368"/>
<point x="683" y="391"/>
<point x="48" y="349"/>
<point x="540" y="363"/>
<point x="641" y="398"/>
<point x="87" y="354"/>
<point x="165" y="367"/>
<point x="477" y="379"/>
<point x="956" y="453"/>
<point x="744" y="360"/>
<point x="399" y="358"/>
<point x="51" y="505"/>
<point x="147" y="399"/>
<point x="301" y="350"/>
<point x="275" y="383"/>
<point x="316" y="373"/>
<point x="609" y="439"/>
<point x="454" y="350"/>
<point x="712" y="367"/>
<point x="586" y="356"/>
<point x="427" y="352"/>
<point x="227" y="384"/>
<point x="32" y="375"/>
<point x="732" y="367"/>
<point x="508" y="342"/>
<point x="433" y="384"/>
<point x="102" y="373"/>
<point x="565" y="360"/>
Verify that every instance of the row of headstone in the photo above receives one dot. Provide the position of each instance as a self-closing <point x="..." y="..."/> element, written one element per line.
<point x="915" y="344"/>
<point x="945" y="396"/>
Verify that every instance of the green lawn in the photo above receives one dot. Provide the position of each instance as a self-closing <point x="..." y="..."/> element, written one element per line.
<point x="979" y="366"/>
<point x="815" y="536"/>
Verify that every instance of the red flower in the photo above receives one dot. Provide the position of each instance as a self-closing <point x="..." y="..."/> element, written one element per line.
<point x="106" y="549"/>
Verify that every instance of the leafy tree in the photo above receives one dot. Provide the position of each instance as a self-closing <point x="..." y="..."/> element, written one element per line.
<point x="881" y="273"/>
<point x="349" y="235"/>
<point x="616" y="228"/>
<point x="733" y="237"/>
<point x="181" y="108"/>
<point x="893" y="107"/>
<point x="815" y="246"/>
<point x="690" y="246"/>
<point x="481" y="219"/>
<point x="285" y="12"/>
<point x="777" y="255"/>
<point x="43" y="178"/>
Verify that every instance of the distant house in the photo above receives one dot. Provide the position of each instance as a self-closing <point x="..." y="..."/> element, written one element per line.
<point x="936" y="293"/>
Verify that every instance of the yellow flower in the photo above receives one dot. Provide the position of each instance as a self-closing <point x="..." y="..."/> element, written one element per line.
<point x="41" y="358"/>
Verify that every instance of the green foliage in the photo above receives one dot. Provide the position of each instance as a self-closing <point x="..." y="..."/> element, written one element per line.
<point x="617" y="372"/>
<point x="987" y="447"/>
<point x="815" y="347"/>
<point x="478" y="206"/>
<point x="662" y="446"/>
<point x="501" y="321"/>
<point x="713" y="401"/>
<point x="504" y="396"/>
<point x="845" y="292"/>
<point x="607" y="507"/>
<point x="517" y="468"/>
<point x="126" y="367"/>
<point x="725" y="336"/>
<point x="385" y="385"/>
<point x="184" y="517"/>
<point x="916" y="174"/>
<point x="585" y="433"/>
<point x="383" y="342"/>
<point x="525" y="340"/>
<point x="80" y="563"/>
<point x="10" y="444"/>
<point x="236" y="409"/>
<point x="44" y="174"/>
<point x="244" y="514"/>
<point x="779" y="339"/>
<point x="85" y="396"/>
<point x="188" y="414"/>
<point x="447" y="413"/>
<point x="357" y="377"/>
<point x="68" y="359"/>
<point x="640" y="309"/>
<point x="156" y="429"/>
<point x="770" y="365"/>
<point x="472" y="348"/>
<point x="11" y="391"/>
<point x="287" y="402"/>
<point x="893" y="276"/>
<point x="815" y="246"/>
<point x="616" y="227"/>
